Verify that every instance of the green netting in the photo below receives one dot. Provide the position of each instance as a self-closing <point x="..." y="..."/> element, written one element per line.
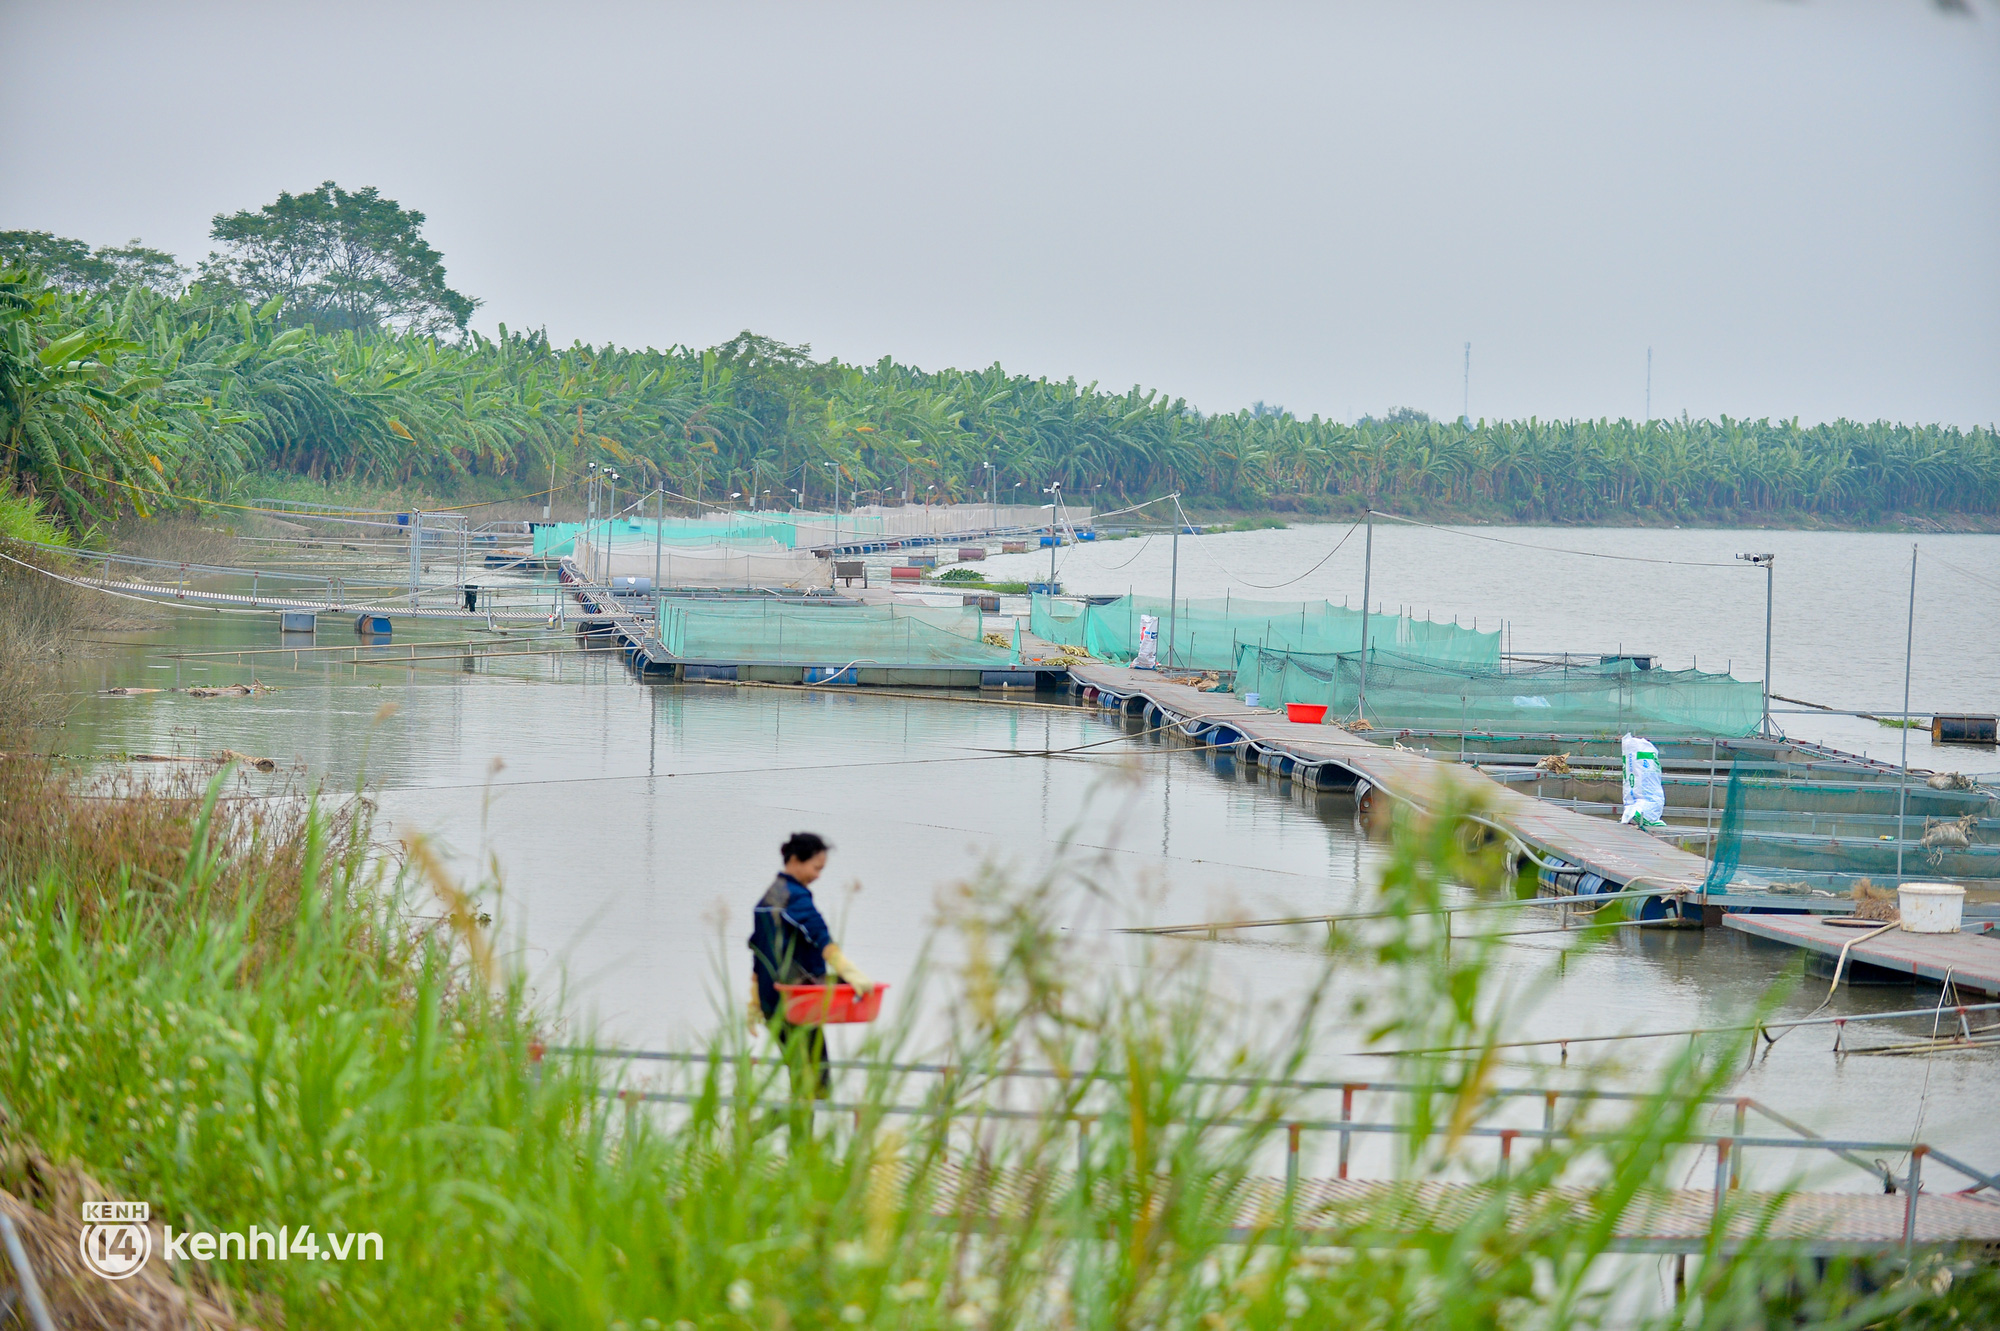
<point x="1207" y="634"/>
<point x="1561" y="699"/>
<point x="555" y="539"/>
<point x="828" y="635"/>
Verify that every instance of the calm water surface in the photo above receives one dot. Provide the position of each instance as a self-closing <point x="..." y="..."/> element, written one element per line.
<point x="635" y="823"/>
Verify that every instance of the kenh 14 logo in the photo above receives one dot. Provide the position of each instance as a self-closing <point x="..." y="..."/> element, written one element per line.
<point x="115" y="1242"/>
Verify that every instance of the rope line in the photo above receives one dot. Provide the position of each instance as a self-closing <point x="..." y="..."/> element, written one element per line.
<point x="1553" y="550"/>
<point x="1273" y="586"/>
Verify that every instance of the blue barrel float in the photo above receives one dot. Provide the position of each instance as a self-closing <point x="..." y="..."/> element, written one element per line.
<point x="373" y="626"/>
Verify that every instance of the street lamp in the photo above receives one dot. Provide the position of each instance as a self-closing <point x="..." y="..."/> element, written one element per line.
<point x="1765" y="561"/>
<point x="1054" y="492"/>
<point x="835" y="468"/>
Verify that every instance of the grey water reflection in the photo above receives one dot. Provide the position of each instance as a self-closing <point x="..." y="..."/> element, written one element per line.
<point x="633" y="823"/>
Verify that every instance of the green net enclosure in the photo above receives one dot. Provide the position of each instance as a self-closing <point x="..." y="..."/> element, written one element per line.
<point x="1208" y="634"/>
<point x="779" y="633"/>
<point x="555" y="539"/>
<point x="1609" y="697"/>
<point x="1603" y="698"/>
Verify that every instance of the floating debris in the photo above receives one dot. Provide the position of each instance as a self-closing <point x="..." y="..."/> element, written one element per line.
<point x="1557" y="763"/>
<point x="1875" y="903"/>
<point x="229" y="691"/>
<point x="248" y="760"/>
<point x="127" y="692"/>
<point x="213" y="759"/>
<point x="1952" y="781"/>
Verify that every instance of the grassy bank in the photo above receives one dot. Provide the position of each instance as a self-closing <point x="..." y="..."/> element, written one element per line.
<point x="229" y="1009"/>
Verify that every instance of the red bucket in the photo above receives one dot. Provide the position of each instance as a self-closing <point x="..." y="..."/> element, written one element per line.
<point x="1311" y="714"/>
<point x="829" y="1004"/>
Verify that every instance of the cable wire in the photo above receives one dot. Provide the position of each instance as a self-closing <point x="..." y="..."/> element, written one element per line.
<point x="1553" y="550"/>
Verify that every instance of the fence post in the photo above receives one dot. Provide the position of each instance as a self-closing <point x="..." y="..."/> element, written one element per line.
<point x="1911" y="1186"/>
<point x="1082" y="1145"/>
<point x="1346" y="1115"/>
<point x="1291" y="1158"/>
<point x="1721" y="1176"/>
<point x="1736" y="1161"/>
<point x="1506" y="1152"/>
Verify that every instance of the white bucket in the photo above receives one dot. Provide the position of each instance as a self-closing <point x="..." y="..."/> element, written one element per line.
<point x="1931" y="908"/>
<point x="1253" y="699"/>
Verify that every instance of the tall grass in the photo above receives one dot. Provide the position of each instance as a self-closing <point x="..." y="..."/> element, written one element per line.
<point x="36" y="616"/>
<point x="248" y="1022"/>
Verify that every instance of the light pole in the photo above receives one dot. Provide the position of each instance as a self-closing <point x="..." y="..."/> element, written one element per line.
<point x="1367" y="579"/>
<point x="1174" y="579"/>
<point x="1766" y="560"/>
<point x="992" y="496"/>
<point x="1909" y="651"/>
<point x="610" y="516"/>
<point x="590" y="521"/>
<point x="836" y="502"/>
<point x="1054" y="492"/>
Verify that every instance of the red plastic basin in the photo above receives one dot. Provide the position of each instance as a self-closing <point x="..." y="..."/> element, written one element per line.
<point x="1311" y="714"/>
<point x="829" y="1004"/>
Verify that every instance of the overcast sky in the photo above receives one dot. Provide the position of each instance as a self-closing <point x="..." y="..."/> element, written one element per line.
<point x="1796" y="204"/>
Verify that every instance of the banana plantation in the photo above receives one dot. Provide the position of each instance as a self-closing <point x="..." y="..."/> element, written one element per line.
<point x="136" y="399"/>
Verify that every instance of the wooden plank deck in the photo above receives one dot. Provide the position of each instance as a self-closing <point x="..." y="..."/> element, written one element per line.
<point x="1619" y="853"/>
<point x="1971" y="959"/>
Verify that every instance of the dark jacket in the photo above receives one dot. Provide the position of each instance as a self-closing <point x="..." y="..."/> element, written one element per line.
<point x="788" y="940"/>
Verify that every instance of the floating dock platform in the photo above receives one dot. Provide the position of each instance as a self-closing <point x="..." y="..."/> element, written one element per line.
<point x="1969" y="958"/>
<point x="1623" y="856"/>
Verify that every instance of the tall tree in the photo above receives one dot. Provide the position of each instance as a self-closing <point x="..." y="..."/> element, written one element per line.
<point x="72" y="265"/>
<point x="339" y="260"/>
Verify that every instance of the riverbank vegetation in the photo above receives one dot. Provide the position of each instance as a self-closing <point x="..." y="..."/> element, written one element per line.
<point x="322" y="341"/>
<point x="236" y="1009"/>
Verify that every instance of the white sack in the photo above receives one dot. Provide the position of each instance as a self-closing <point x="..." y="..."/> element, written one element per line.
<point x="1645" y="794"/>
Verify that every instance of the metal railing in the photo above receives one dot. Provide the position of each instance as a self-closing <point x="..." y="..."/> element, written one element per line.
<point x="1729" y="1148"/>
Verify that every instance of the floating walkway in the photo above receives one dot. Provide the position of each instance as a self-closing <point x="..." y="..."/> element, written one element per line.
<point x="635" y="634"/>
<point x="1969" y="959"/>
<point x="335" y="604"/>
<point x="1327" y="756"/>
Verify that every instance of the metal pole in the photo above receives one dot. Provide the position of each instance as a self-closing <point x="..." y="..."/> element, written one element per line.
<point x="1769" y="566"/>
<point x="1367" y="577"/>
<point x="1903" y="786"/>
<point x="659" y="542"/>
<point x="416" y="555"/>
<point x="31" y="1290"/>
<point x="1174" y="583"/>
<point x="1055" y="497"/>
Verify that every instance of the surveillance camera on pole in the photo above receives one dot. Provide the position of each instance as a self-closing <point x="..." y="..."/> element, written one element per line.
<point x="1765" y="561"/>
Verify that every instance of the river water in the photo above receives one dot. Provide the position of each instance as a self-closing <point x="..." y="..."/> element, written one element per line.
<point x="634" y="824"/>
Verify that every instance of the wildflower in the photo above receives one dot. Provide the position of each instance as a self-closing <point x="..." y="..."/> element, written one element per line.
<point x="740" y="1295"/>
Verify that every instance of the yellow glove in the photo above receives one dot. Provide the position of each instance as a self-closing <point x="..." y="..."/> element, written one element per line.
<point x="844" y="967"/>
